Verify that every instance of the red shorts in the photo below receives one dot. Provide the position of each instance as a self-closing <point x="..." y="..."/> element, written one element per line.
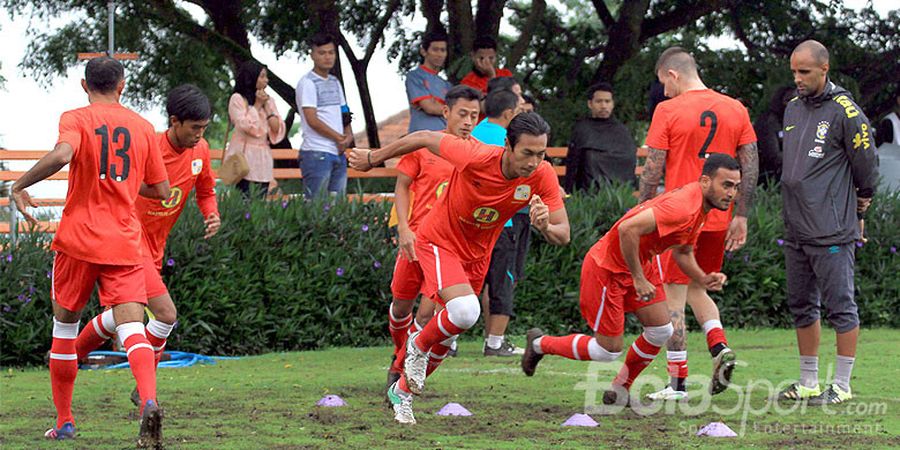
<point x="709" y="252"/>
<point x="73" y="281"/>
<point x="441" y="268"/>
<point x="606" y="296"/>
<point x="407" y="280"/>
<point x="153" y="278"/>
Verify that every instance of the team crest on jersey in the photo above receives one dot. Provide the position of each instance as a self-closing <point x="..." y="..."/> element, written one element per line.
<point x="822" y="131"/>
<point x="440" y="189"/>
<point x="196" y="166"/>
<point x="484" y="214"/>
<point x="174" y="198"/>
<point x="817" y="153"/>
<point x="523" y="192"/>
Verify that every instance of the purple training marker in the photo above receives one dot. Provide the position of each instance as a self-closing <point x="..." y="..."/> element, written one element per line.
<point x="716" y="429"/>
<point x="454" y="409"/>
<point x="580" y="420"/>
<point x="331" y="401"/>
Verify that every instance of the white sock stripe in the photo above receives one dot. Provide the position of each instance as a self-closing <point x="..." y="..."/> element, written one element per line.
<point x="64" y="330"/>
<point x="441" y="326"/>
<point x="640" y="353"/>
<point x="676" y="356"/>
<point x="536" y="345"/>
<point x="437" y="264"/>
<point x="108" y="321"/>
<point x="710" y="325"/>
<point x="64" y="356"/>
<point x="159" y="329"/>
<point x="101" y="331"/>
<point x="575" y="346"/>
<point x="137" y="346"/>
<point x="160" y="348"/>
<point x="600" y="311"/>
<point x="53" y="278"/>
<point x="433" y="356"/>
<point x="126" y="330"/>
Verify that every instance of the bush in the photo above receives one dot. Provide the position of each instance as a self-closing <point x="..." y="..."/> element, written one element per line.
<point x="298" y="275"/>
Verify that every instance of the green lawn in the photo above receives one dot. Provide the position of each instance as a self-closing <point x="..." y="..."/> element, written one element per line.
<point x="268" y="401"/>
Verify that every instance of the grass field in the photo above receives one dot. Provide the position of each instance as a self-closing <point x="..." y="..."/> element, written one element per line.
<point x="268" y="401"/>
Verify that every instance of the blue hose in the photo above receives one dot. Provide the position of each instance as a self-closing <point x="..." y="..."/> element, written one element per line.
<point x="177" y="359"/>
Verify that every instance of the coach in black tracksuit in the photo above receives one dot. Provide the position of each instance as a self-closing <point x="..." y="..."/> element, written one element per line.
<point x="829" y="174"/>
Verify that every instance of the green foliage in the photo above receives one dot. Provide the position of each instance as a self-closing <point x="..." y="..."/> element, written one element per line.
<point x="303" y="275"/>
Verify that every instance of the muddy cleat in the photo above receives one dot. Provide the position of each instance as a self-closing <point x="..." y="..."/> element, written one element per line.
<point x="415" y="365"/>
<point x="831" y="396"/>
<point x="506" y="349"/>
<point x="136" y="397"/>
<point x="531" y="358"/>
<point x="453" y="349"/>
<point x="392" y="378"/>
<point x="798" y="392"/>
<point x="402" y="404"/>
<point x="723" y="366"/>
<point x="67" y="431"/>
<point x="150" y="435"/>
<point x="617" y="395"/>
<point x="668" y="394"/>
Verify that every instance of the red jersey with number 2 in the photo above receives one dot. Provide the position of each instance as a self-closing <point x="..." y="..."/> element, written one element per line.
<point x="692" y="125"/>
<point x="115" y="150"/>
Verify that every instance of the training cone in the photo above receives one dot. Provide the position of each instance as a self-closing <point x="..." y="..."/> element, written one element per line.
<point x="331" y="401"/>
<point x="580" y="420"/>
<point x="716" y="429"/>
<point x="454" y="409"/>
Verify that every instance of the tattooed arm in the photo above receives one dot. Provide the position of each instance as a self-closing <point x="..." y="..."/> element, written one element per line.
<point x="652" y="174"/>
<point x="737" y="231"/>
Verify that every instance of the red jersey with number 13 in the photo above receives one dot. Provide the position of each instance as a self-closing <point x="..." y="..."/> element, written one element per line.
<point x="115" y="150"/>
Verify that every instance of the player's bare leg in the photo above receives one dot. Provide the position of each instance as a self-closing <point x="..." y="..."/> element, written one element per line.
<point x="657" y="331"/>
<point x="676" y="354"/>
<point x="63" y="370"/>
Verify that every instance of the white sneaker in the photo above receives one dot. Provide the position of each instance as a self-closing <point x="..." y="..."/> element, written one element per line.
<point x="668" y="394"/>
<point x="402" y="404"/>
<point x="415" y="365"/>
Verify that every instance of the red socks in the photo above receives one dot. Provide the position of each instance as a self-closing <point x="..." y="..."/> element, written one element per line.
<point x="97" y="331"/>
<point x="640" y="355"/>
<point x="157" y="333"/>
<point x="140" y="358"/>
<point x="438" y="329"/>
<point x="399" y="329"/>
<point x="573" y="346"/>
<point x="63" y="369"/>
<point x="715" y="334"/>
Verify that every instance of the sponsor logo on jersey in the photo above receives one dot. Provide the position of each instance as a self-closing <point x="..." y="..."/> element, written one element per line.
<point x="817" y="152"/>
<point x="174" y="199"/>
<point x="523" y="192"/>
<point x="849" y="108"/>
<point x="196" y="166"/>
<point x="790" y="127"/>
<point x="483" y="214"/>
<point x="440" y="189"/>
<point x="861" y="139"/>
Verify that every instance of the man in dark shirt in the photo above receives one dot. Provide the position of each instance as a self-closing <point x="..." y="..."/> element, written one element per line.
<point x="601" y="149"/>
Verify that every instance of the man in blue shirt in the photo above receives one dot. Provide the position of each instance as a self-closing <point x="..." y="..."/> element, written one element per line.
<point x="425" y="88"/>
<point x="508" y="258"/>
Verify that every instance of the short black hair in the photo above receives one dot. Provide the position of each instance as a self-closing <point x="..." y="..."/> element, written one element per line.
<point x="530" y="100"/>
<point x="461" y="92"/>
<point x="601" y="86"/>
<point x="188" y="102"/>
<point x="501" y="83"/>
<point x="433" y="36"/>
<point x="530" y="123"/>
<point x="716" y="161"/>
<point x="485" y="42"/>
<point x="320" y="39"/>
<point x="499" y="101"/>
<point x="103" y="74"/>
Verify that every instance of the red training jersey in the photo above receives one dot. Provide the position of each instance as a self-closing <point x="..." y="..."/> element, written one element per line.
<point x="692" y="125"/>
<point x="187" y="168"/>
<point x="679" y="217"/>
<point x="430" y="174"/>
<point x="470" y="215"/>
<point x="472" y="79"/>
<point x="115" y="150"/>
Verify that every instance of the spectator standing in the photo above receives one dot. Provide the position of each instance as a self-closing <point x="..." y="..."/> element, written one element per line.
<point x="256" y="125"/>
<point x="601" y="149"/>
<point x="484" y="58"/>
<point x="425" y="88"/>
<point x="326" y="124"/>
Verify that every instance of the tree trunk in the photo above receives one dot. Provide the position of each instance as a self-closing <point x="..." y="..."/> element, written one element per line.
<point x="431" y="9"/>
<point x="462" y="35"/>
<point x="488" y="17"/>
<point x="624" y="39"/>
<point x="538" y="7"/>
